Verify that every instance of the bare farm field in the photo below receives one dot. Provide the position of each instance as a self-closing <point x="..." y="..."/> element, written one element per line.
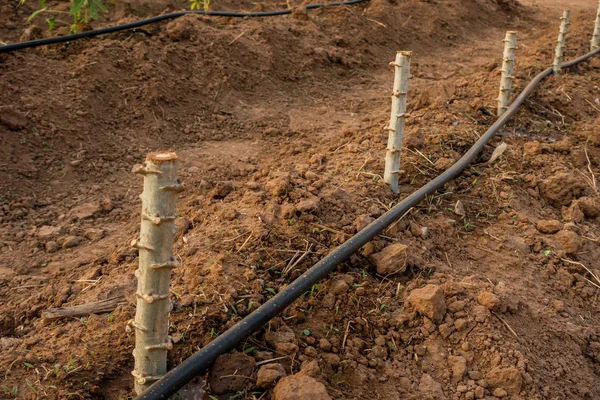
<point x="486" y="288"/>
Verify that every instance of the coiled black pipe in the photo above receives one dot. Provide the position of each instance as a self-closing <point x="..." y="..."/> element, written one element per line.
<point x="137" y="24"/>
<point x="204" y="358"/>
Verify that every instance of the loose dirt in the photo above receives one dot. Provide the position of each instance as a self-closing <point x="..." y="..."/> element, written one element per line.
<point x="487" y="289"/>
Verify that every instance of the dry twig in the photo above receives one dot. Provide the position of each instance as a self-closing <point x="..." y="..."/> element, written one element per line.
<point x="506" y="324"/>
<point x="287" y="269"/>
<point x="596" y="277"/>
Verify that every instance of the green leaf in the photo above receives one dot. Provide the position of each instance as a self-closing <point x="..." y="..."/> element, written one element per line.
<point x="76" y="7"/>
<point x="28" y="365"/>
<point x="42" y="3"/>
<point x="100" y="5"/>
<point x="50" y="22"/>
<point x="93" y="12"/>
<point x="249" y="350"/>
<point x="35" y="13"/>
<point x="30" y="386"/>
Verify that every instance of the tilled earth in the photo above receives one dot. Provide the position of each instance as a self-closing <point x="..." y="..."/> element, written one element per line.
<point x="488" y="289"/>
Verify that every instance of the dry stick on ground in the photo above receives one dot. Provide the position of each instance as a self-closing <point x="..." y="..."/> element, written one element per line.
<point x="346" y="334"/>
<point x="596" y="35"/>
<point x="560" y="44"/>
<point x="506" y="324"/>
<point x="292" y="266"/>
<point x="328" y="229"/>
<point x="399" y="219"/>
<point x="596" y="277"/>
<point x="237" y="37"/>
<point x="157" y="235"/>
<point x="592" y="104"/>
<point x="589" y="166"/>
<point x="98" y="307"/>
<point x="397" y="118"/>
<point x="245" y="242"/>
<point x="508" y="66"/>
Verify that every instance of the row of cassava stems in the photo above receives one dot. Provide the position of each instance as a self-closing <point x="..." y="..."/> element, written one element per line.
<point x="402" y="75"/>
<point x="161" y="185"/>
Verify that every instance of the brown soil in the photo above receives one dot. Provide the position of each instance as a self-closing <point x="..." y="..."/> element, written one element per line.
<point x="279" y="126"/>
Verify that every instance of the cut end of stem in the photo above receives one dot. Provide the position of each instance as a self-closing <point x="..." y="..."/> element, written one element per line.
<point x="161" y="156"/>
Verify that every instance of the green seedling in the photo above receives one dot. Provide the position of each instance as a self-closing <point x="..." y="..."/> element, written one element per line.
<point x="81" y="11"/>
<point x="315" y="287"/>
<point x="329" y="330"/>
<point x="195" y="4"/>
<point x="30" y="386"/>
<point x="70" y="366"/>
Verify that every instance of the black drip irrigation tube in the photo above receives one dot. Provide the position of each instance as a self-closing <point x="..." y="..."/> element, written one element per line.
<point x="137" y="24"/>
<point x="199" y="362"/>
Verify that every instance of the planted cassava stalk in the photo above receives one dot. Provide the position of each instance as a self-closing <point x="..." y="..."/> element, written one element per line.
<point x="596" y="35"/>
<point x="397" y="119"/>
<point x="560" y="44"/>
<point x="155" y="245"/>
<point x="508" y="66"/>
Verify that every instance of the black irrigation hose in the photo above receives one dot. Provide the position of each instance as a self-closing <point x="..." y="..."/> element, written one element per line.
<point x="199" y="362"/>
<point x="137" y="24"/>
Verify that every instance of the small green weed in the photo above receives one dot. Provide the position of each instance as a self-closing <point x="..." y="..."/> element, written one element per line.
<point x="195" y="4"/>
<point x="82" y="12"/>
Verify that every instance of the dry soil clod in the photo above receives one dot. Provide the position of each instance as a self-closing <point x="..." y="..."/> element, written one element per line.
<point x="560" y="45"/>
<point x="157" y="234"/>
<point x="397" y="119"/>
<point x="508" y="66"/>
